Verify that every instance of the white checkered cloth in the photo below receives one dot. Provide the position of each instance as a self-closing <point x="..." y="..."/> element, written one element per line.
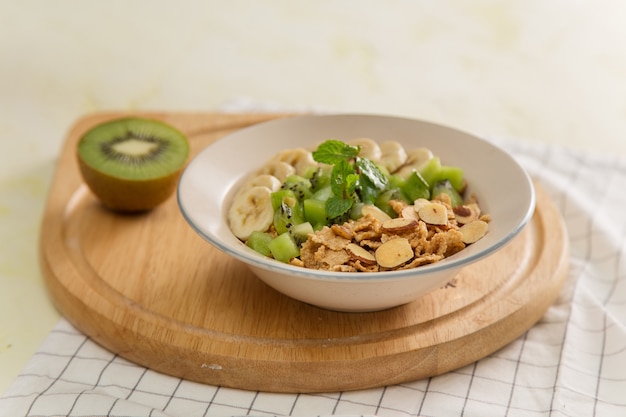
<point x="571" y="363"/>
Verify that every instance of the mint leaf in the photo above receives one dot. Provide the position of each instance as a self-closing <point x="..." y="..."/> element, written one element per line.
<point x="333" y="151"/>
<point x="352" y="178"/>
<point x="368" y="193"/>
<point x="339" y="177"/>
<point x="337" y="206"/>
<point x="371" y="171"/>
<point x="343" y="183"/>
<point x="351" y="184"/>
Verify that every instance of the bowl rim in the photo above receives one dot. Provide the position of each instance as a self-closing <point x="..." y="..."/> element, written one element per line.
<point x="457" y="261"/>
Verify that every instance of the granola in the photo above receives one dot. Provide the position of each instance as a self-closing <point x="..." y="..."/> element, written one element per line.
<point x="415" y="238"/>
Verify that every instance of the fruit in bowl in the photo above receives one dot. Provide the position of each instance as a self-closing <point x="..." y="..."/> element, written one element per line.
<point x="356" y="207"/>
<point x="479" y="173"/>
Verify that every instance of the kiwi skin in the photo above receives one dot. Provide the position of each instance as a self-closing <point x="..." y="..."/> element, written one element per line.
<point x="129" y="196"/>
<point x="121" y="193"/>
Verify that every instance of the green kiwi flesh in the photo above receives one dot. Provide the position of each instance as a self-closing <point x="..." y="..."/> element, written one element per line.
<point x="132" y="164"/>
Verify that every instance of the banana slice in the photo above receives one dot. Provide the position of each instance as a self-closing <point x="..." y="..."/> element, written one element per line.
<point x="279" y="169"/>
<point x="369" y="148"/>
<point x="299" y="158"/>
<point x="415" y="161"/>
<point x="250" y="210"/>
<point x="393" y="155"/>
<point x="263" y="180"/>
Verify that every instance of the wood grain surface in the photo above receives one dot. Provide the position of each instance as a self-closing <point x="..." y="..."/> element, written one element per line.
<point x="149" y="289"/>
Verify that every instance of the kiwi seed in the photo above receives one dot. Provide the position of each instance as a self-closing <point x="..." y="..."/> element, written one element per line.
<point x="132" y="164"/>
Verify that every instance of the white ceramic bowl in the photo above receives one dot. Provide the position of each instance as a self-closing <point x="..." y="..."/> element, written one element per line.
<point x="207" y="185"/>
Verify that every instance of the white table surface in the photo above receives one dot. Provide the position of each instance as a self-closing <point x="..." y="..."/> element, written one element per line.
<point x="539" y="71"/>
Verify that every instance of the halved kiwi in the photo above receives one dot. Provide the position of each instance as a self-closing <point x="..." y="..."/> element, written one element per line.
<point x="132" y="164"/>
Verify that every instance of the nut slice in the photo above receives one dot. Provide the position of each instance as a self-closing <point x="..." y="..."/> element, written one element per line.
<point x="434" y="213"/>
<point x="474" y="231"/>
<point x="358" y="253"/>
<point x="409" y="212"/>
<point x="394" y="253"/>
<point x="419" y="203"/>
<point x="375" y="212"/>
<point x="399" y="224"/>
<point x="466" y="213"/>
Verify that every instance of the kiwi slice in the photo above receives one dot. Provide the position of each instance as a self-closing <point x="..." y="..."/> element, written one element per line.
<point x="132" y="164"/>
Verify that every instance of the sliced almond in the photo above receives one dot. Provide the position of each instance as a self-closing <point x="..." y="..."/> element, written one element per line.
<point x="466" y="213"/>
<point x="399" y="224"/>
<point x="474" y="231"/>
<point x="434" y="213"/>
<point x="394" y="253"/>
<point x="356" y="252"/>
<point x="409" y="212"/>
<point x="419" y="203"/>
<point x="375" y="212"/>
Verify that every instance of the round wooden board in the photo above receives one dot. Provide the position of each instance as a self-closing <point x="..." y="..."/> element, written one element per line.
<point x="149" y="289"/>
